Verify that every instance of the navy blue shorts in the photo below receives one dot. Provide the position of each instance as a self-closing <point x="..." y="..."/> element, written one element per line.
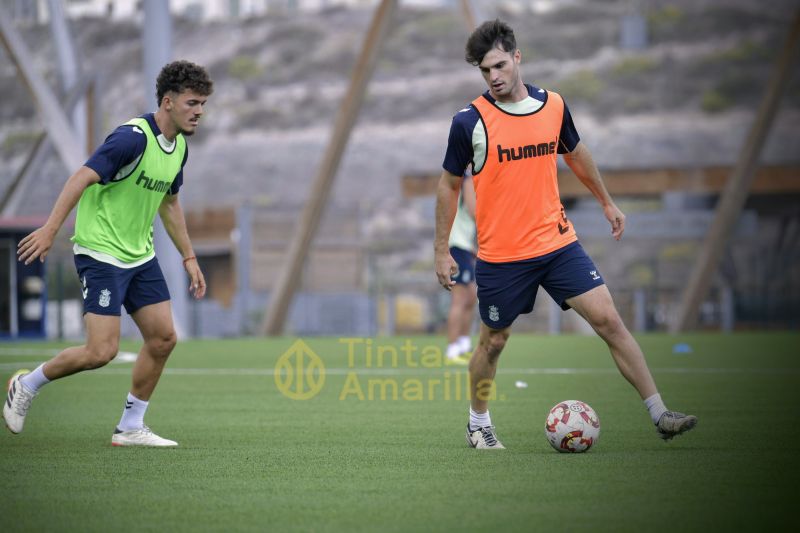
<point x="106" y="287"/>
<point x="507" y="290"/>
<point x="466" y="265"/>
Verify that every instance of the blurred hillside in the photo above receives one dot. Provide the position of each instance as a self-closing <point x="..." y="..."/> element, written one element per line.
<point x="685" y="100"/>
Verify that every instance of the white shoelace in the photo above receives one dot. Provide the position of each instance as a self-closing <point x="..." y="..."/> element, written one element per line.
<point x="488" y="435"/>
<point x="25" y="398"/>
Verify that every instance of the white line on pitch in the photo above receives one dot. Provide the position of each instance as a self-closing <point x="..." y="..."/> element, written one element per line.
<point x="454" y="370"/>
<point x="127" y="357"/>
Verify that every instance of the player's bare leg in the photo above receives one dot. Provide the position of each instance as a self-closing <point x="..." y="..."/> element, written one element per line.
<point x="155" y="323"/>
<point x="102" y="343"/>
<point x="158" y="331"/>
<point x="597" y="307"/>
<point x="459" y="319"/>
<point x="467" y="317"/>
<point x="482" y="369"/>
<point x="483" y="364"/>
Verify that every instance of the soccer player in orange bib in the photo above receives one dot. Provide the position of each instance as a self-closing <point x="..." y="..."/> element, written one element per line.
<point x="512" y="135"/>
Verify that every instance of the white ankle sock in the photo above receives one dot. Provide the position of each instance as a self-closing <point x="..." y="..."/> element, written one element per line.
<point x="453" y="350"/>
<point x="133" y="414"/>
<point x="465" y="343"/>
<point x="655" y="405"/>
<point x="479" y="420"/>
<point x="35" y="380"/>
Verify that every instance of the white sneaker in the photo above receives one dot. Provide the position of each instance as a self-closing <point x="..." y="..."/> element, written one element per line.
<point x="453" y="350"/>
<point x="17" y="403"/>
<point x="465" y="345"/>
<point x="483" y="438"/>
<point x="140" y="437"/>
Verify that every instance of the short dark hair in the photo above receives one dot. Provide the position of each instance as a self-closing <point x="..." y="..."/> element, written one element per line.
<point x="491" y="34"/>
<point x="179" y="76"/>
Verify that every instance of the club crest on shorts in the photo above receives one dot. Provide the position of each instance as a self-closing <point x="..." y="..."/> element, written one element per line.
<point x="105" y="298"/>
<point x="494" y="313"/>
<point x="594" y="274"/>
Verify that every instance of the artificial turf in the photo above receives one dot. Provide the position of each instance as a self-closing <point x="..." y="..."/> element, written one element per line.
<point x="252" y="459"/>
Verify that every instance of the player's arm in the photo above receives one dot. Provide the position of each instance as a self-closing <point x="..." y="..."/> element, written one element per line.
<point x="446" y="205"/>
<point x="582" y="163"/>
<point x="171" y="214"/>
<point x="458" y="156"/>
<point x="39" y="242"/>
<point x="121" y="148"/>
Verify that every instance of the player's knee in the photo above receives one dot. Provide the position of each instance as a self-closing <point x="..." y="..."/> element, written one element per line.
<point x="495" y="344"/>
<point x="101" y="353"/>
<point x="162" y="345"/>
<point x="608" y="324"/>
<point x="468" y="305"/>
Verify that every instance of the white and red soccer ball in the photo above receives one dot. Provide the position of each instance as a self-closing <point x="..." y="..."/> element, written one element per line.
<point x="572" y="426"/>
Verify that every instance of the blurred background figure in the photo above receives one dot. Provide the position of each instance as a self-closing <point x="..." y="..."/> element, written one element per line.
<point x="463" y="247"/>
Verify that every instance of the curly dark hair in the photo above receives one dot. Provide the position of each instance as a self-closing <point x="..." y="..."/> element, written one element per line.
<point x="179" y="76"/>
<point x="490" y="34"/>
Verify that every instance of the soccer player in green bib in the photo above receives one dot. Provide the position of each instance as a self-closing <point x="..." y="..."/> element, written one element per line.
<point x="136" y="173"/>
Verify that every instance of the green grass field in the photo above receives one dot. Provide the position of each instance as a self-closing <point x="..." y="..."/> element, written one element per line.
<point x="252" y="459"/>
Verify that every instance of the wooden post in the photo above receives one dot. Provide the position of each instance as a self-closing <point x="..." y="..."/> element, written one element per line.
<point x="736" y="190"/>
<point x="52" y="116"/>
<point x="469" y="15"/>
<point x="290" y="275"/>
<point x="91" y="115"/>
<point x="11" y="198"/>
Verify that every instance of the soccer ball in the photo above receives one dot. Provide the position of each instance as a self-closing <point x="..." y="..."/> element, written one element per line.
<point x="572" y="426"/>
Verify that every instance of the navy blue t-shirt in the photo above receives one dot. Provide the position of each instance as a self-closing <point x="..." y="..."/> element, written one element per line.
<point x="123" y="147"/>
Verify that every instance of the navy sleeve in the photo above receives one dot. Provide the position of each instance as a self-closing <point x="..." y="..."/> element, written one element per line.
<point x="568" y="138"/>
<point x="121" y="148"/>
<point x="459" y="144"/>
<point x="178" y="181"/>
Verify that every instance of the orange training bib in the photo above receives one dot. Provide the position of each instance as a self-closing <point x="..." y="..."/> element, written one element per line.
<point x="518" y="210"/>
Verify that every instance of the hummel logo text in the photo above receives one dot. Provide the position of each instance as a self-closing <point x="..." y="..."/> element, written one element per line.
<point x="526" y="152"/>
